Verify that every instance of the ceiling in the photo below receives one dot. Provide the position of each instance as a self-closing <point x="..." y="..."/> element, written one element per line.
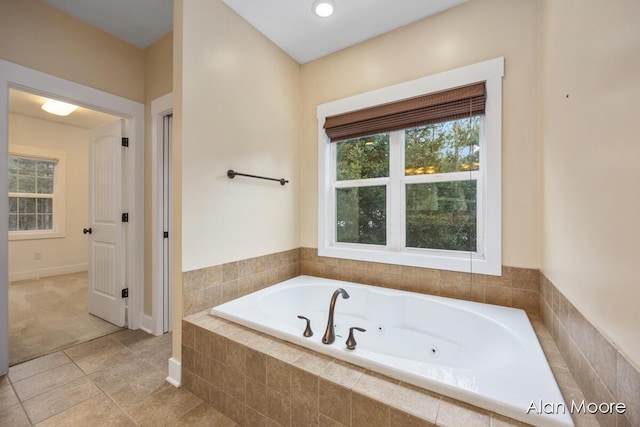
<point x="28" y="104"/>
<point x="139" y="22"/>
<point x="290" y="24"/>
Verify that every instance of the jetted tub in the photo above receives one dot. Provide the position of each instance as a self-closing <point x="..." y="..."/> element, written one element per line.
<point x="482" y="354"/>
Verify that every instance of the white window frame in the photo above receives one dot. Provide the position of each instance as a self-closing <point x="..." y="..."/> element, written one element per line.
<point x="488" y="258"/>
<point x="58" y="208"/>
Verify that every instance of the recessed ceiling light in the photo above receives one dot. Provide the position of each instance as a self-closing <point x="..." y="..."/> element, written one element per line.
<point x="58" y="108"/>
<point x="323" y="8"/>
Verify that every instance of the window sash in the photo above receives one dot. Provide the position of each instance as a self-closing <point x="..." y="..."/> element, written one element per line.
<point x="396" y="185"/>
<point x="53" y="196"/>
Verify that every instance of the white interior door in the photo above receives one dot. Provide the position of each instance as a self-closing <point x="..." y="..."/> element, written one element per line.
<point x="107" y="239"/>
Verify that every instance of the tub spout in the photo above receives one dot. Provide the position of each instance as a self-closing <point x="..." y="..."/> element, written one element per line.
<point x="330" y="333"/>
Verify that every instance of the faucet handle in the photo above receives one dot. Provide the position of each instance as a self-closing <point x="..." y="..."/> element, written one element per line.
<point x="351" y="341"/>
<point x="307" y="331"/>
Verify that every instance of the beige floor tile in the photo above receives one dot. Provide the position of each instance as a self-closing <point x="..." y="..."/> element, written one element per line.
<point x="7" y="395"/>
<point x="132" y="393"/>
<point x="98" y="354"/>
<point x="99" y="410"/>
<point x="203" y="415"/>
<point x="54" y="401"/>
<point x="164" y="407"/>
<point x="36" y="366"/>
<point x="113" y="377"/>
<point x="48" y="380"/>
<point x="128" y="337"/>
<point x="91" y="348"/>
<point x="13" y="416"/>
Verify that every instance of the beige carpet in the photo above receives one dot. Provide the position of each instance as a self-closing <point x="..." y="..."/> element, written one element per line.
<point x="50" y="314"/>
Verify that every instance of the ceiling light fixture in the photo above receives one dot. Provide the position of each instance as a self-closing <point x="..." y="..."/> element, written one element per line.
<point x="323" y="8"/>
<point x="58" y="108"/>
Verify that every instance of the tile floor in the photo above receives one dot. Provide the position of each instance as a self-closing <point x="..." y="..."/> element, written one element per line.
<point x="115" y="380"/>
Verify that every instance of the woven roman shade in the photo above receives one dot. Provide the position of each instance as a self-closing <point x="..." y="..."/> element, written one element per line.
<point x="423" y="110"/>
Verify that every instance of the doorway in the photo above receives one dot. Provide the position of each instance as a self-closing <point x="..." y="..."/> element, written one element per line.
<point x="23" y="78"/>
<point x="49" y="200"/>
<point x="161" y="221"/>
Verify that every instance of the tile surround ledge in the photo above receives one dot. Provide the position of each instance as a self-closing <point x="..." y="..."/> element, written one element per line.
<point x="258" y="380"/>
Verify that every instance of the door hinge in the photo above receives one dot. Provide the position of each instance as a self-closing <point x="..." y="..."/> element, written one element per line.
<point x="125" y="142"/>
<point x="165" y="234"/>
<point x="125" y="293"/>
<point x="125" y="217"/>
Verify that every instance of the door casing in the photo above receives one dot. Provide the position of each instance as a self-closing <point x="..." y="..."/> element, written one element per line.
<point x="29" y="80"/>
<point x="159" y="108"/>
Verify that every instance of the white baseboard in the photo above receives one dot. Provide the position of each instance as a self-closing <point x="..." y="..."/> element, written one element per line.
<point x="146" y="324"/>
<point x="175" y="372"/>
<point x="46" y="272"/>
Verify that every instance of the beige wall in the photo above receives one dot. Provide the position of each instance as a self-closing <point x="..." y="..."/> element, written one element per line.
<point x="591" y="69"/>
<point x="41" y="37"/>
<point x="240" y="110"/>
<point x="70" y="253"/>
<point x="469" y="33"/>
<point x="176" y="185"/>
<point x="158" y="81"/>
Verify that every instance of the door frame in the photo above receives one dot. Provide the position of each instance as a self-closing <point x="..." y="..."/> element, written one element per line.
<point x="160" y="107"/>
<point x="23" y="78"/>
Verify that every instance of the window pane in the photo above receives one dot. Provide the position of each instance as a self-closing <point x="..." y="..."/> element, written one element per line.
<point x="44" y="221"/>
<point x="26" y="184"/>
<point x="363" y="158"/>
<point x="13" y="205"/>
<point x="26" y="166"/>
<point x="13" y="222"/>
<point x="45" y="205"/>
<point x="13" y="183"/>
<point x="443" y="147"/>
<point x="27" y="222"/>
<point x="45" y="168"/>
<point x="13" y="164"/>
<point x="27" y="205"/>
<point x="362" y="215"/>
<point x="45" y="185"/>
<point x="442" y="215"/>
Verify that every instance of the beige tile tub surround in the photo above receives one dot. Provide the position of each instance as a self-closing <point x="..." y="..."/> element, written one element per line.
<point x="516" y="287"/>
<point x="258" y="380"/>
<point x="601" y="371"/>
<point x="211" y="286"/>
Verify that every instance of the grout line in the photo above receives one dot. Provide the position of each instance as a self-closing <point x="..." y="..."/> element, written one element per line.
<point x="18" y="398"/>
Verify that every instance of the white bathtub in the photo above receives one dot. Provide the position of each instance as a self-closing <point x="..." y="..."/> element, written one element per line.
<point x="482" y="354"/>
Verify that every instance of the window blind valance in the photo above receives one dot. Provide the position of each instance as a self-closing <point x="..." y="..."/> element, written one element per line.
<point x="453" y="104"/>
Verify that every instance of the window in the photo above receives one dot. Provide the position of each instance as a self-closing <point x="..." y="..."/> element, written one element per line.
<point x="424" y="194"/>
<point x="35" y="193"/>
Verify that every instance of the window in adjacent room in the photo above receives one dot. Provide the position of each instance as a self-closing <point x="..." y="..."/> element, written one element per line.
<point x="36" y="194"/>
<point x="415" y="180"/>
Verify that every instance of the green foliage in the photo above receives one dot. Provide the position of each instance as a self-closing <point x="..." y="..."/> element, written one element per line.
<point x="362" y="215"/>
<point x="439" y="215"/>
<point x="443" y="147"/>
<point x="442" y="215"/>
<point x="363" y="158"/>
